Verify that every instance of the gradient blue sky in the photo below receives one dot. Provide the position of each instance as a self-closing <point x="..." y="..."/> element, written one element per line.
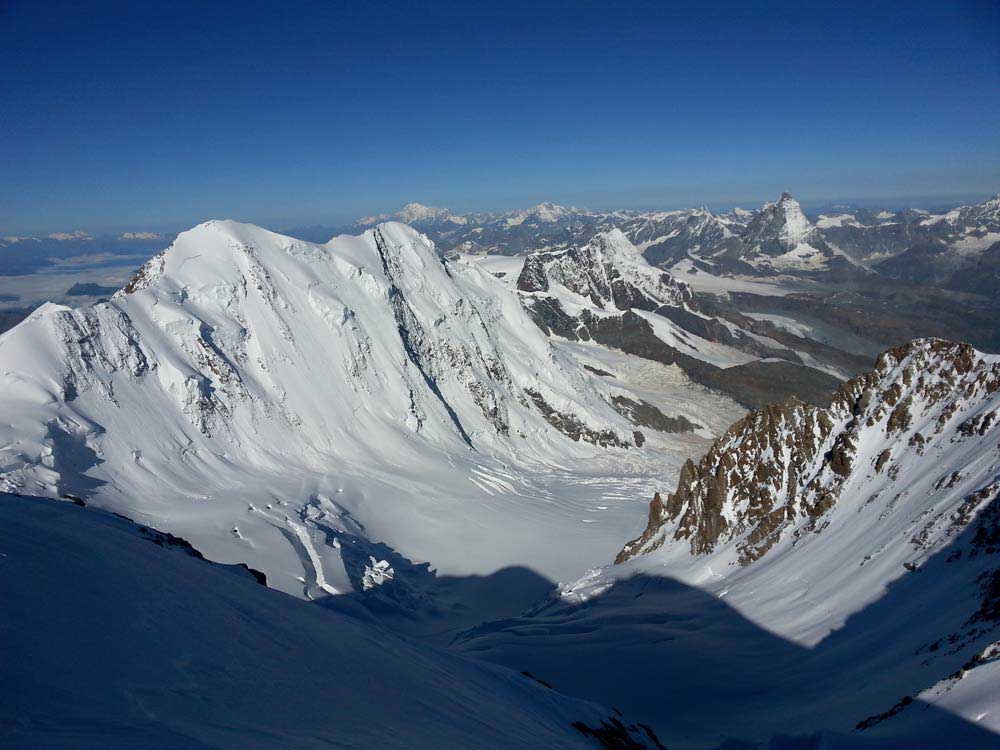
<point x="117" y="116"/>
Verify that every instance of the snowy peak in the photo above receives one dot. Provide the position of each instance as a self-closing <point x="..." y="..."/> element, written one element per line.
<point x="782" y="223"/>
<point x="609" y="272"/>
<point x="267" y="364"/>
<point x="413" y="213"/>
<point x="416" y="212"/>
<point x="541" y="214"/>
<point x="387" y="291"/>
<point x="550" y="211"/>
<point x="985" y="215"/>
<point x="781" y="239"/>
<point x="792" y="469"/>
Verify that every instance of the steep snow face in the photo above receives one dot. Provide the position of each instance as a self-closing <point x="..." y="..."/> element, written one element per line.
<point x="111" y="640"/>
<point x="900" y="463"/>
<point x="609" y="271"/>
<point x="246" y="386"/>
<point x="830" y="569"/>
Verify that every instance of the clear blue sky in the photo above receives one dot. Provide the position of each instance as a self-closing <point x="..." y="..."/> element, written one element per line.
<point x="114" y="115"/>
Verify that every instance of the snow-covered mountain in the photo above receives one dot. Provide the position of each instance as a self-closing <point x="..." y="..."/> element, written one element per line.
<point x="781" y="238"/>
<point x="919" y="425"/>
<point x="609" y="271"/>
<point x="413" y="213"/>
<point x="442" y="436"/>
<point x="290" y="405"/>
<point x="957" y="250"/>
<point x="668" y="237"/>
<point x="118" y="636"/>
<point x="918" y="247"/>
<point x="777" y="239"/>
<point x="247" y="390"/>
<point x="605" y="291"/>
<point x="827" y="569"/>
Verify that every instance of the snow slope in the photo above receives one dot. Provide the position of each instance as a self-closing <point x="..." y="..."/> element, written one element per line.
<point x="886" y="477"/>
<point x="268" y="398"/>
<point x="118" y="642"/>
<point x="832" y="569"/>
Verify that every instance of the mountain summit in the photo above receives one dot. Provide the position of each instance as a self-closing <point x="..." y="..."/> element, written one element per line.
<point x="287" y="380"/>
<point x="609" y="271"/>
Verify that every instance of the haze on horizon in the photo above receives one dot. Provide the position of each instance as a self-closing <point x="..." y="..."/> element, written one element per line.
<point x="157" y="118"/>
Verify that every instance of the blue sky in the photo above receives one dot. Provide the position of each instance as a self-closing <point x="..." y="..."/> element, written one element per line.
<point x="116" y="116"/>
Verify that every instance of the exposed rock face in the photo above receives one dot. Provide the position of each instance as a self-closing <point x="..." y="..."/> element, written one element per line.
<point x="781" y="469"/>
<point x="753" y="384"/>
<point x="646" y="414"/>
<point x="669" y="238"/>
<point x="780" y="226"/>
<point x="573" y="428"/>
<point x="245" y="364"/>
<point x="592" y="293"/>
<point x="609" y="271"/>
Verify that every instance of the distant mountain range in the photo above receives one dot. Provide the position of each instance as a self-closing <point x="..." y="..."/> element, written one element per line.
<point x="956" y="250"/>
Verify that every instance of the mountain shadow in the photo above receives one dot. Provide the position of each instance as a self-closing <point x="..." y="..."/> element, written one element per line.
<point x="419" y="603"/>
<point x="702" y="674"/>
<point x="72" y="459"/>
<point x="112" y="637"/>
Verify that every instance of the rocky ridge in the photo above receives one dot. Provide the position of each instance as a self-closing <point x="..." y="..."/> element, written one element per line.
<point x="780" y="471"/>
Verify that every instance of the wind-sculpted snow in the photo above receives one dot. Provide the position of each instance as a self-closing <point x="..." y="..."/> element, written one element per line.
<point x="243" y="375"/>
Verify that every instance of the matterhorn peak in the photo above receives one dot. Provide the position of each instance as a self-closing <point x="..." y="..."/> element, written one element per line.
<point x="781" y="222"/>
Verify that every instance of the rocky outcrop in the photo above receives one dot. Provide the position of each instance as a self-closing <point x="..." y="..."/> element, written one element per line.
<point x="610" y="281"/>
<point x="752" y="384"/>
<point x="572" y="427"/>
<point x="609" y="271"/>
<point x="782" y="468"/>
<point x="645" y="414"/>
